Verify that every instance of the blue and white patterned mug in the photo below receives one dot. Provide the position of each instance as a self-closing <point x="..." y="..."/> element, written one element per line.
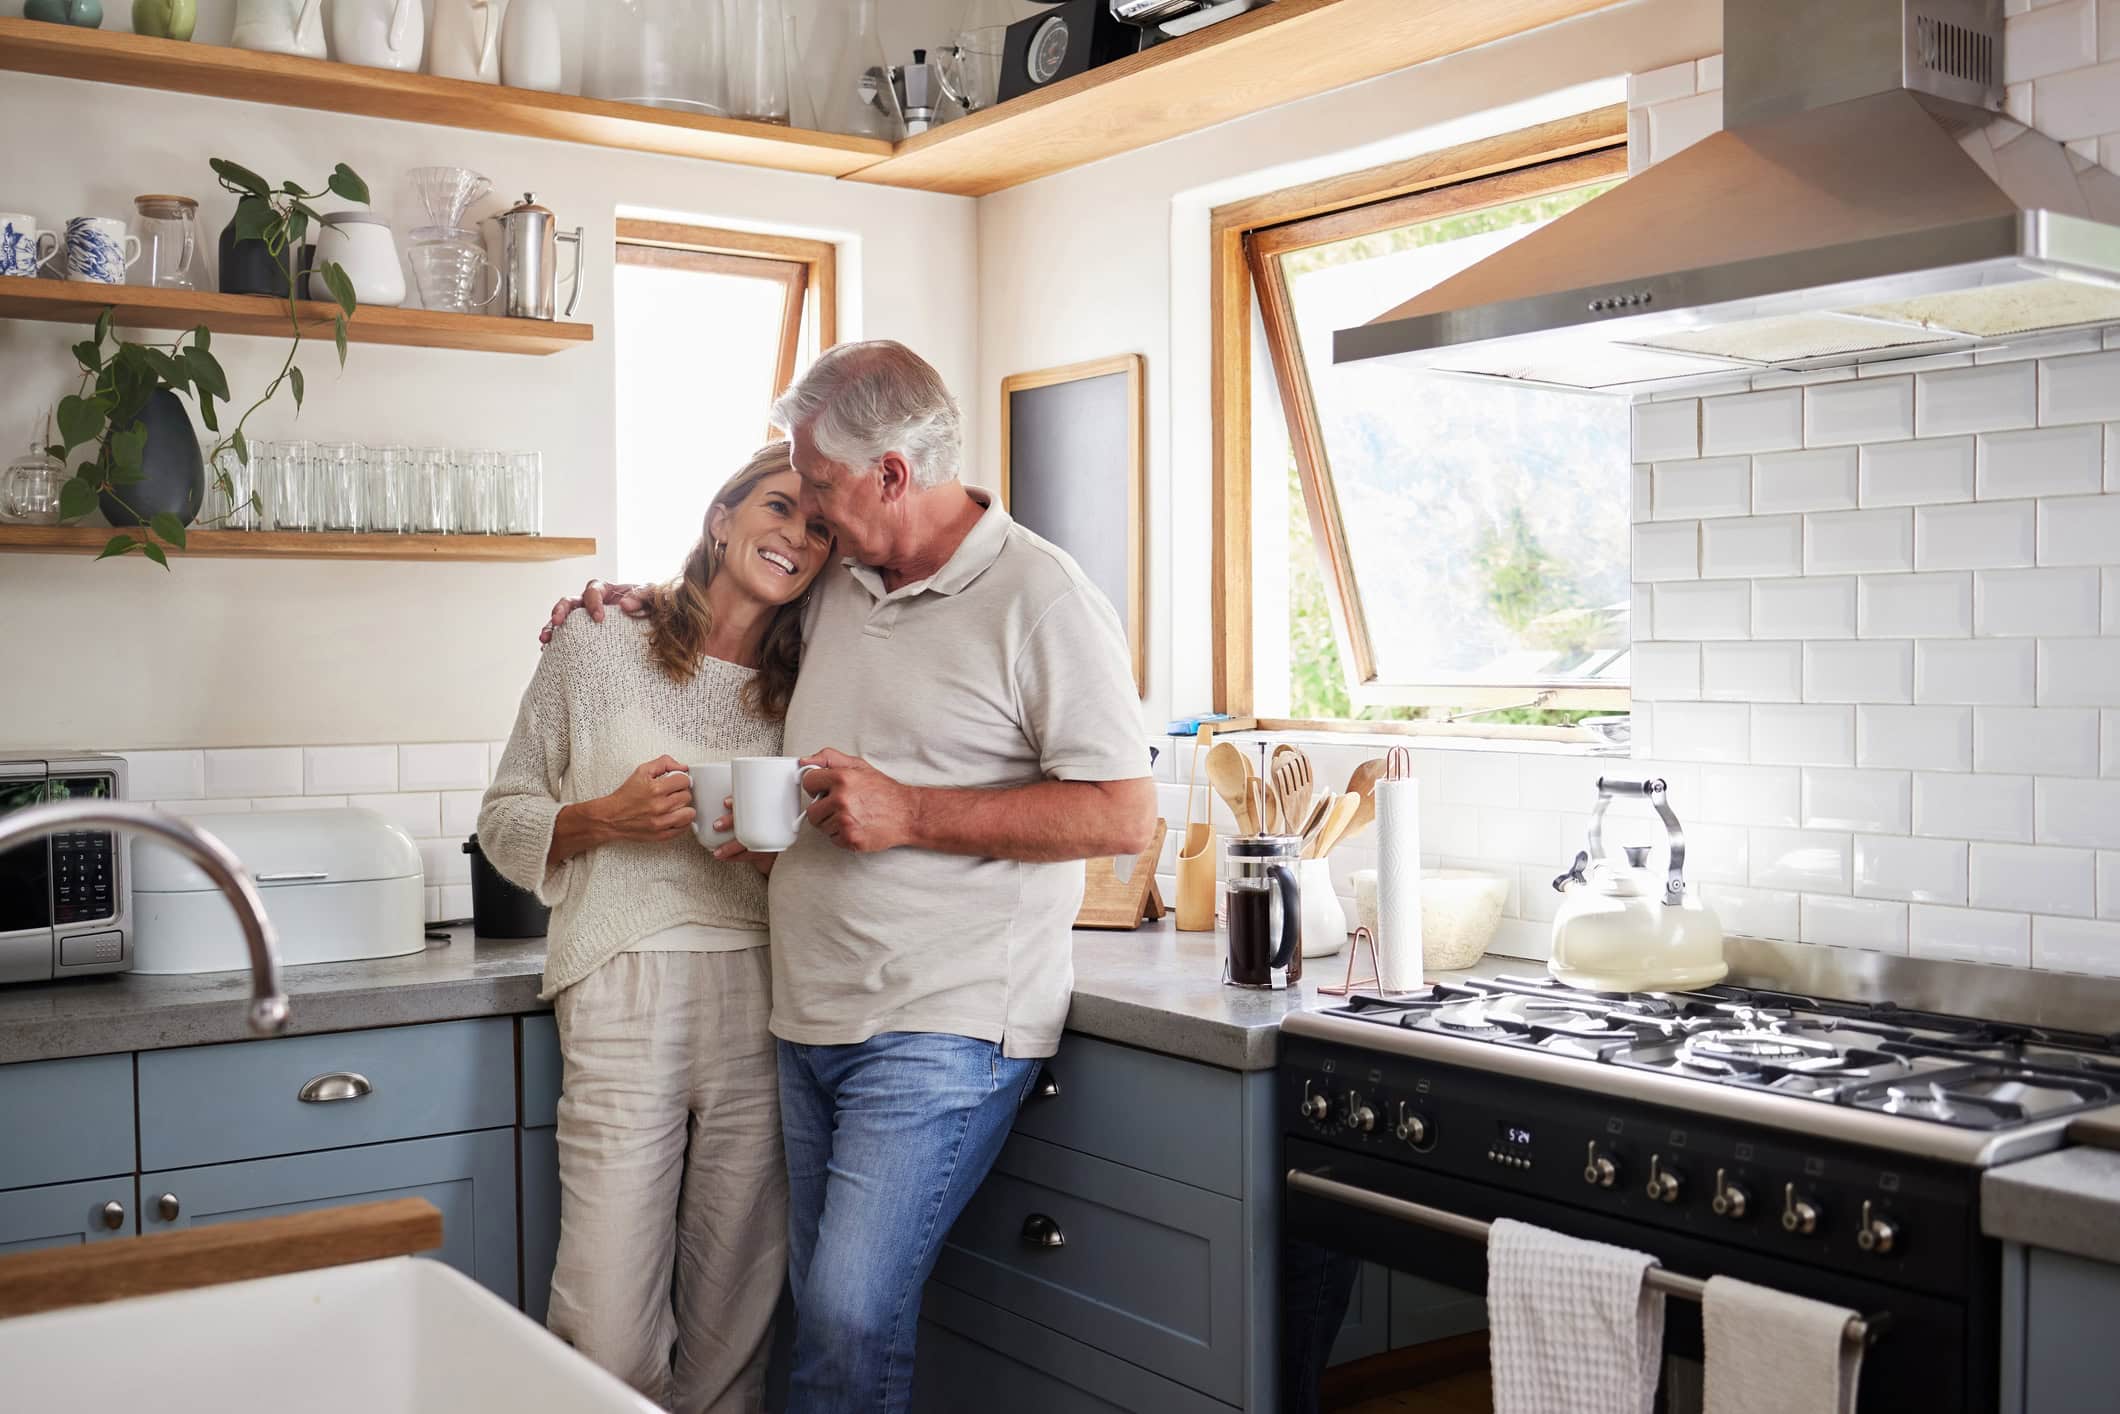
<point x="18" y="243"/>
<point x="98" y="249"/>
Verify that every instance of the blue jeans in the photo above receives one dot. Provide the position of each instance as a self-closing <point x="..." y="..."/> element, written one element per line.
<point x="886" y="1142"/>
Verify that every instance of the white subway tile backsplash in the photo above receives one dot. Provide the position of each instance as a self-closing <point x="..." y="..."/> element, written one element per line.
<point x="1873" y="925"/>
<point x="2072" y="944"/>
<point x="1661" y="85"/>
<point x="280" y="804"/>
<point x="165" y="775"/>
<point x="1868" y="410"/>
<point x="1815" y="861"/>
<point x="2085" y="388"/>
<point x="1448" y="829"/>
<point x="1715" y="854"/>
<point x="1753" y="913"/>
<point x="1976" y="672"/>
<point x="1520" y="836"/>
<point x="1665" y="672"/>
<point x="1820" y="607"/>
<point x="2112" y="429"/>
<point x="1918" y="870"/>
<point x="1916" y="606"/>
<point x="2033" y="603"/>
<point x="247" y="771"/>
<point x="1970" y="935"/>
<point x="1856" y="800"/>
<point x="2036" y="741"/>
<point x="190" y="808"/>
<point x="1988" y="398"/>
<point x="1867" y="671"/>
<point x="2047" y="461"/>
<point x="2017" y="102"/>
<point x="418" y="814"/>
<point x="1757" y="547"/>
<point x="1916" y="473"/>
<point x="460" y="813"/>
<point x="1678" y="124"/>
<point x="2108" y="884"/>
<point x="1748" y="795"/>
<point x="1719" y="609"/>
<point x="1564" y="783"/>
<point x="2109" y="743"/>
<point x="1771" y="421"/>
<point x="2077" y="672"/>
<point x="343" y="770"/>
<point x="1751" y="672"/>
<point x="2041" y="346"/>
<point x="1666" y="550"/>
<point x="1825" y="479"/>
<point x="2024" y="878"/>
<point x="1914" y="738"/>
<point x="2049" y="39"/>
<point x="2078" y="812"/>
<point x="456" y="900"/>
<point x="1990" y="535"/>
<point x="443" y="766"/>
<point x="1641" y="494"/>
<point x="1972" y="805"/>
<point x="1858" y="542"/>
<point x="1667" y="431"/>
<point x="1695" y="489"/>
<point x="2079" y="530"/>
<point x="2109" y="609"/>
<point x="1477" y="778"/>
<point x="445" y="862"/>
<point x="1803" y="736"/>
<point x="1703" y="731"/>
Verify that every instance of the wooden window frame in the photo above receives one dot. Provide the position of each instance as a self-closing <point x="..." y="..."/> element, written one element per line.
<point x="1551" y="156"/>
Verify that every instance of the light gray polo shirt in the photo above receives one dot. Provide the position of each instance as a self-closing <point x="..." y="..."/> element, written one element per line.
<point x="1005" y="668"/>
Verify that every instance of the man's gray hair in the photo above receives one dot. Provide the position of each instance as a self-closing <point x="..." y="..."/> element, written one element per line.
<point x="859" y="401"/>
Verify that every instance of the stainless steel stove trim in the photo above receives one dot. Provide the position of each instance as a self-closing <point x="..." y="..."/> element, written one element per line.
<point x="1789" y="1113"/>
<point x="2060" y="1001"/>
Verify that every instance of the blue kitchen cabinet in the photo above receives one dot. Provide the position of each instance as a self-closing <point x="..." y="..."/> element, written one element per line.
<point x="537" y="1158"/>
<point x="66" y="1119"/>
<point x="65" y="1214"/>
<point x="2059" y="1355"/>
<point x="470" y="1178"/>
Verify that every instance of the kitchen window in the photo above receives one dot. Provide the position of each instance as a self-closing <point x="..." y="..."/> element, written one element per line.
<point x="1420" y="545"/>
<point x="711" y="325"/>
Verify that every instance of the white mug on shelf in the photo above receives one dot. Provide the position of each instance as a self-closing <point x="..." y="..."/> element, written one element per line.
<point x="99" y="250"/>
<point x="769" y="801"/>
<point x="379" y="34"/>
<point x="280" y="27"/>
<point x="466" y="41"/>
<point x="18" y="243"/>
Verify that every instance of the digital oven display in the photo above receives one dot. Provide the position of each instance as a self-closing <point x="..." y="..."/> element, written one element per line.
<point x="1515" y="1135"/>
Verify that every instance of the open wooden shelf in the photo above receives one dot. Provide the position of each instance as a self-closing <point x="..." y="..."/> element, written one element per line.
<point x="299" y="545"/>
<point x="148" y="307"/>
<point x="217" y="71"/>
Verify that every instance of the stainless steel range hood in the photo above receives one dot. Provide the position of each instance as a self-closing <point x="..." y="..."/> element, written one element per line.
<point x="1865" y="201"/>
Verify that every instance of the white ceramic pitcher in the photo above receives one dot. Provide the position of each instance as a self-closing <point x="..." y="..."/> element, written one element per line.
<point x="466" y="42"/>
<point x="280" y="27"/>
<point x="378" y="34"/>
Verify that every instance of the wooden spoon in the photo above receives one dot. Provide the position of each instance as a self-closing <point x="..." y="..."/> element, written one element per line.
<point x="1343" y="808"/>
<point x="1229" y="773"/>
<point x="1363" y="783"/>
<point x="1319" y="809"/>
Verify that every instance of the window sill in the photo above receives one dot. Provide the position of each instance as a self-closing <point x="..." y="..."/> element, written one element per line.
<point x="1541" y="741"/>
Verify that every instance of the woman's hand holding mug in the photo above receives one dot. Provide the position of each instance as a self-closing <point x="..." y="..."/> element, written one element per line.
<point x="654" y="804"/>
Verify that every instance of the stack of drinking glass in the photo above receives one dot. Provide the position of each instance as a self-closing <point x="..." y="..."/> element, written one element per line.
<point x="348" y="487"/>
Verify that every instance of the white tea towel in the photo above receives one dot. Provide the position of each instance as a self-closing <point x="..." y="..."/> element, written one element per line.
<point x="1400" y="967"/>
<point x="1772" y="1353"/>
<point x="1574" y="1327"/>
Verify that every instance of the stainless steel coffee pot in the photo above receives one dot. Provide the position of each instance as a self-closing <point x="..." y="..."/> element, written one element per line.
<point x="530" y="239"/>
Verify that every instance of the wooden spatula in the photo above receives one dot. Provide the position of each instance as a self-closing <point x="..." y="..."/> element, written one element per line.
<point x="1230" y="774"/>
<point x="1329" y="833"/>
<point x="1363" y="784"/>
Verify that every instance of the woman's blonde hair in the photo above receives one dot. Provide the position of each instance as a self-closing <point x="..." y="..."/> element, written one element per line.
<point x="681" y="621"/>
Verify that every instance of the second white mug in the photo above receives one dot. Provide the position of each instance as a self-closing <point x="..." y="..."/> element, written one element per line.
<point x="769" y="801"/>
<point x="711" y="785"/>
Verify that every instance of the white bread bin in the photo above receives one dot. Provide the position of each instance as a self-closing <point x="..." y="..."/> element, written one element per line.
<point x="338" y="885"/>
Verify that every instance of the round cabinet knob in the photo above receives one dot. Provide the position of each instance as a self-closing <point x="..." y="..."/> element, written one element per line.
<point x="1598" y="1169"/>
<point x="1411" y="1129"/>
<point x="1664" y="1183"/>
<point x="1878" y="1234"/>
<point x="166" y="1206"/>
<point x="1797" y="1215"/>
<point x="112" y="1214"/>
<point x="1730" y="1200"/>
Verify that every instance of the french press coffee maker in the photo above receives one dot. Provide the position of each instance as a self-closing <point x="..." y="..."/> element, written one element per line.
<point x="530" y="240"/>
<point x="1265" y="905"/>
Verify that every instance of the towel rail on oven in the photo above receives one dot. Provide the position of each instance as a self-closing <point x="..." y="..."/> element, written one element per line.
<point x="1861" y="1330"/>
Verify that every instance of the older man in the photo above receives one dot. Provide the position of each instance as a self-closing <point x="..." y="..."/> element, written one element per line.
<point x="967" y="692"/>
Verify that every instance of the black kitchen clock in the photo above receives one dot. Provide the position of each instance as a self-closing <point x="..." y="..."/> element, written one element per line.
<point x="1060" y="42"/>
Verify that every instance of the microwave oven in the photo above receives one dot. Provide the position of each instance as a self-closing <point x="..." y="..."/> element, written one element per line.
<point x="65" y="900"/>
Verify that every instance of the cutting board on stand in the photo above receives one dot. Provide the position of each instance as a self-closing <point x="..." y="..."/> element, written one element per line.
<point x="1109" y="901"/>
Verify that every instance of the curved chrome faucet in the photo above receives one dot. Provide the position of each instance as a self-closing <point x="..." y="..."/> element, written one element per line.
<point x="268" y="1004"/>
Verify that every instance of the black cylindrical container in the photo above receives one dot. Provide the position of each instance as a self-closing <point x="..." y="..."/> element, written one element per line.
<point x="498" y="908"/>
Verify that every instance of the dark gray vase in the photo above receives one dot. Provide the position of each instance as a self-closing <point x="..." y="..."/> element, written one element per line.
<point x="175" y="468"/>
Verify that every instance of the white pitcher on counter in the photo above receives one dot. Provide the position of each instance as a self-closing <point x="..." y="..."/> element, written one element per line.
<point x="466" y="40"/>
<point x="280" y="27"/>
<point x="378" y="34"/>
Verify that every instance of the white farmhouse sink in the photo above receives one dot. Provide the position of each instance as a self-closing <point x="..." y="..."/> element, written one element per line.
<point x="390" y="1337"/>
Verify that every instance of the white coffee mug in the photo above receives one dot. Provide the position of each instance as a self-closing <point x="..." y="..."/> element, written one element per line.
<point x="710" y="787"/>
<point x="99" y="250"/>
<point x="769" y="801"/>
<point x="18" y="243"/>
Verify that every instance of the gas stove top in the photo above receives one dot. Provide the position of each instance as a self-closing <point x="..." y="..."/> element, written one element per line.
<point x="1874" y="1057"/>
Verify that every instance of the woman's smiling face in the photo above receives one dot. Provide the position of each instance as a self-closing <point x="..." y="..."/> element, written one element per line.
<point x="769" y="548"/>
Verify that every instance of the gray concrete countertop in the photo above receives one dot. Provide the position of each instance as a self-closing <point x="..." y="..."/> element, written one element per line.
<point x="2068" y="1201"/>
<point x="1154" y="987"/>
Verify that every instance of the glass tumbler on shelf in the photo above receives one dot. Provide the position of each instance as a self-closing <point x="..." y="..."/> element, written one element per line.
<point x="522" y="483"/>
<point x="387" y="506"/>
<point x="757" y="56"/>
<point x="477" y="493"/>
<point x="658" y="53"/>
<point x="232" y="488"/>
<point x="433" y="492"/>
<point x="338" y="471"/>
<point x="283" y="475"/>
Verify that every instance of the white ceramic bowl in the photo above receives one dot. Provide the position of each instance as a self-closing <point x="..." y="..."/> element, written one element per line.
<point x="1461" y="909"/>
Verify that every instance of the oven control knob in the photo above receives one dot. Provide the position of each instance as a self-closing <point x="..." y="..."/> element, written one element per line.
<point x="1411" y="1129"/>
<point x="1360" y="1117"/>
<point x="1877" y="1233"/>
<point x="1730" y="1200"/>
<point x="1315" y="1108"/>
<point x="1599" y="1170"/>
<point x="1797" y="1215"/>
<point x="1663" y="1182"/>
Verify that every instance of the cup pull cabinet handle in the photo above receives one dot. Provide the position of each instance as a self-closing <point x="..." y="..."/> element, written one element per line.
<point x="338" y="1085"/>
<point x="1041" y="1231"/>
<point x="1048" y="1087"/>
<point x="112" y="1215"/>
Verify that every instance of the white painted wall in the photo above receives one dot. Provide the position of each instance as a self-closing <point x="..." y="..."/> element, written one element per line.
<point x="226" y="653"/>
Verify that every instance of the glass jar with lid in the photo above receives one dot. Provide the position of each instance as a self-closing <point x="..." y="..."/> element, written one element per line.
<point x="29" y="491"/>
<point x="168" y="227"/>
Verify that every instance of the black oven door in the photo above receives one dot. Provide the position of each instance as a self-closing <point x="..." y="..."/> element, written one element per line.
<point x="1928" y="1357"/>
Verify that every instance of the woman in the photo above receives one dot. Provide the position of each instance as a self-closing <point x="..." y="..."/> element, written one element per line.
<point x="673" y="1192"/>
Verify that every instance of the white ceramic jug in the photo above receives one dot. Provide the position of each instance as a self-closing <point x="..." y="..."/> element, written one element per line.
<point x="531" y="42"/>
<point x="378" y="34"/>
<point x="280" y="27"/>
<point x="466" y="41"/>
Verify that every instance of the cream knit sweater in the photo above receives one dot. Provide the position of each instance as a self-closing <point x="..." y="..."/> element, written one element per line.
<point x="598" y="707"/>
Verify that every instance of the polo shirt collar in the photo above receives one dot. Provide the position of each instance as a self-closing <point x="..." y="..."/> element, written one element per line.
<point x="973" y="557"/>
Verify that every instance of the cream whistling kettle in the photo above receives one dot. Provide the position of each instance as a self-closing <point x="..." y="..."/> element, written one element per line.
<point x="1623" y="929"/>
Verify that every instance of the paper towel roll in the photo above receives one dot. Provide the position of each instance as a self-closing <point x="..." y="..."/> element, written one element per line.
<point x="1399" y="964"/>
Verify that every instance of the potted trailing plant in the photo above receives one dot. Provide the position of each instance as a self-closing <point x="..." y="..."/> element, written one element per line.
<point x="146" y="470"/>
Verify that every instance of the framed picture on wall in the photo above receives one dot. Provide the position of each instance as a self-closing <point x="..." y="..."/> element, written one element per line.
<point x="1074" y="469"/>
